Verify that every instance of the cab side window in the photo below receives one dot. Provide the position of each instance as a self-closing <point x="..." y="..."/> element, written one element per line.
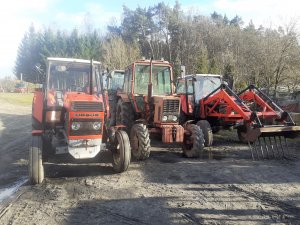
<point x="127" y="80"/>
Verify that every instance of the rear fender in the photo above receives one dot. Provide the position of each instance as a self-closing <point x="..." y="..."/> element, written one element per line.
<point x="37" y="109"/>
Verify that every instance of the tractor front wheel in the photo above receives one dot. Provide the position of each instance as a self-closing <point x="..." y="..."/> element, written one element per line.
<point x="124" y="115"/>
<point x="207" y="132"/>
<point x="193" y="142"/>
<point x="121" y="153"/>
<point x="36" y="168"/>
<point x="140" y="141"/>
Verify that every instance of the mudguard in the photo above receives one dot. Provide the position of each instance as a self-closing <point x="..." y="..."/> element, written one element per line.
<point x="37" y="110"/>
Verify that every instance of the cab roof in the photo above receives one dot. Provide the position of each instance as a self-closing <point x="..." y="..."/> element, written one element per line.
<point x="206" y="75"/>
<point x="200" y="75"/>
<point x="71" y="60"/>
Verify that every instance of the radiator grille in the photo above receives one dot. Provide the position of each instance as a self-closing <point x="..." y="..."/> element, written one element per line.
<point x="87" y="106"/>
<point x="171" y="106"/>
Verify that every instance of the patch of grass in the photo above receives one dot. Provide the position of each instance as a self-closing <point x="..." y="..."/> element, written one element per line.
<point x="24" y="99"/>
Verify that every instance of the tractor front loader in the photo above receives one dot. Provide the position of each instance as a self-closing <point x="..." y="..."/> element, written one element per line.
<point x="147" y="105"/>
<point x="70" y="116"/>
<point x="258" y="120"/>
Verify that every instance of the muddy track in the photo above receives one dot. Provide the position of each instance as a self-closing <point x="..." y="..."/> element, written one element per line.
<point x="226" y="187"/>
<point x="15" y="128"/>
<point x="284" y="210"/>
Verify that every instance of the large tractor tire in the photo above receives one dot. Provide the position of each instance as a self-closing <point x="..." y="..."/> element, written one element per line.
<point x="124" y="115"/>
<point x="207" y="132"/>
<point x="121" y="153"/>
<point x="193" y="143"/>
<point x="35" y="166"/>
<point x="140" y="141"/>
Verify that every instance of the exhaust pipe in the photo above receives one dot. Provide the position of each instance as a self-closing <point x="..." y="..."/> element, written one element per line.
<point x="91" y="76"/>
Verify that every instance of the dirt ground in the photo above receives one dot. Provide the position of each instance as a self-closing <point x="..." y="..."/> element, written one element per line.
<point x="226" y="187"/>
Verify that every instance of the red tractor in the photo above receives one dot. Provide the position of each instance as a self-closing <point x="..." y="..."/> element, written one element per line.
<point x="147" y="105"/>
<point x="213" y="105"/>
<point x="70" y="116"/>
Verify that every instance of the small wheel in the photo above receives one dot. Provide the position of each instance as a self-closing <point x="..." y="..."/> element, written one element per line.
<point x="36" y="168"/>
<point x="140" y="141"/>
<point x="124" y="115"/>
<point x="193" y="143"/>
<point x="121" y="153"/>
<point x="207" y="132"/>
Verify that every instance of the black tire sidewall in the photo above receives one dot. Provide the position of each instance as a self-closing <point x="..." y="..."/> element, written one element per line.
<point x="207" y="132"/>
<point x="122" y="139"/>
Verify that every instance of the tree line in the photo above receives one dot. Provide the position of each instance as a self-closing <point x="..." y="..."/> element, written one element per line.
<point x="243" y="54"/>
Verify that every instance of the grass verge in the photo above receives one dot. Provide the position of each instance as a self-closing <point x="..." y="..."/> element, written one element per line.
<point x="24" y="99"/>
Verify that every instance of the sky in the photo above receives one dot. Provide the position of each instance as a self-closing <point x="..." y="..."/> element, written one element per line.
<point x="17" y="15"/>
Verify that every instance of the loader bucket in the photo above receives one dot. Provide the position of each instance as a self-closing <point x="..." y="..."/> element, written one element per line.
<point x="270" y="141"/>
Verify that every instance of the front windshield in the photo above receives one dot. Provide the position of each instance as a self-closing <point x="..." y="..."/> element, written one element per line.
<point x="117" y="80"/>
<point x="180" y="89"/>
<point x="205" y="85"/>
<point x="70" y="77"/>
<point x="161" y="79"/>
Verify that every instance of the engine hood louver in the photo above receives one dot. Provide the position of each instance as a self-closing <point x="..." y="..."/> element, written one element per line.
<point x="82" y="106"/>
<point x="171" y="105"/>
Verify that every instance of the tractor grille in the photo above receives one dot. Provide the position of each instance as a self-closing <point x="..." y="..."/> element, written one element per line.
<point x="171" y="106"/>
<point x="87" y="106"/>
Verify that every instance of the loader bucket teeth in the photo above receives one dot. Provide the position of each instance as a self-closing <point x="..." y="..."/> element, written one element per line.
<point x="281" y="147"/>
<point x="261" y="149"/>
<point x="264" y="148"/>
<point x="251" y="149"/>
<point x="287" y="147"/>
<point x="272" y="147"/>
<point x="276" y="144"/>
<point x="276" y="135"/>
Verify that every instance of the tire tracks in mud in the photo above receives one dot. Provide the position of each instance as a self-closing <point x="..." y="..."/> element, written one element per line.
<point x="15" y="145"/>
<point x="104" y="211"/>
<point x="284" y="208"/>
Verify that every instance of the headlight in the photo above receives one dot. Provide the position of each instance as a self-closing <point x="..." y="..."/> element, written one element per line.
<point x="175" y="118"/>
<point x="75" y="126"/>
<point x="164" y="118"/>
<point x="97" y="125"/>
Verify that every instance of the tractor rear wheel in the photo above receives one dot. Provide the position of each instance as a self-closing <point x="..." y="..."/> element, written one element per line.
<point x="140" y="141"/>
<point x="207" y="132"/>
<point x="35" y="166"/>
<point x="121" y="153"/>
<point x="124" y="115"/>
<point x="193" y="143"/>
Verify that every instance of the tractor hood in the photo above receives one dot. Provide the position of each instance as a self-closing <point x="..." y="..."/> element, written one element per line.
<point x="78" y="101"/>
<point x="166" y="109"/>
